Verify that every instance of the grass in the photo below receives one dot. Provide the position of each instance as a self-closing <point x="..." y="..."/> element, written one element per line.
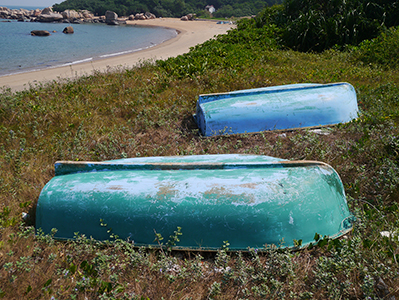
<point x="144" y="111"/>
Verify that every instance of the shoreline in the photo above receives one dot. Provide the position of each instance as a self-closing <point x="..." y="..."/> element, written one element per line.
<point x="190" y="34"/>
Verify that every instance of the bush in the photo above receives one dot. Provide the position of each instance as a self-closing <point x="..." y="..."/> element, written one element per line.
<point x="311" y="25"/>
<point x="381" y="50"/>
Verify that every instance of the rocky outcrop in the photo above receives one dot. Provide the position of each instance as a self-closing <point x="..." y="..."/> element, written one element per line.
<point x="149" y="15"/>
<point x="47" y="15"/>
<point x="144" y="16"/>
<point x="111" y="18"/>
<point x="114" y="22"/>
<point x="6" y="13"/>
<point x="77" y="16"/>
<point x="68" y="30"/>
<point x="140" y="17"/>
<point x="68" y="16"/>
<point x="188" y="17"/>
<point x="36" y="13"/>
<point x="87" y="15"/>
<point x="71" y="15"/>
<point x="51" y="17"/>
<point x="40" y="33"/>
<point x="47" y="10"/>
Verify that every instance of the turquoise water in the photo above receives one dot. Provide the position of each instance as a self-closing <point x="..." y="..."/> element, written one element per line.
<point x="21" y="52"/>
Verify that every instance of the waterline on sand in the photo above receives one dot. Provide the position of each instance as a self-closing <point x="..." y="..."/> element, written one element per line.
<point x="20" y="52"/>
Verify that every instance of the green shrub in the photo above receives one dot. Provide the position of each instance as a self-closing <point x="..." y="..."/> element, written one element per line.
<point x="383" y="50"/>
<point x="312" y="25"/>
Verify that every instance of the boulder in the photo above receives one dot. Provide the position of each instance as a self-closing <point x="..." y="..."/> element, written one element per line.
<point x="149" y="15"/>
<point x="4" y="14"/>
<point x="47" y="11"/>
<point x="47" y="15"/>
<point x="71" y="15"/>
<point x="114" y="22"/>
<point x="51" y="17"/>
<point x="36" y="13"/>
<point x="12" y="15"/>
<point x="188" y="17"/>
<point x="111" y="18"/>
<point x="25" y="13"/>
<point x="87" y="15"/>
<point x="110" y="15"/>
<point x="40" y="33"/>
<point x="68" y="30"/>
<point x="139" y="17"/>
<point x="131" y="17"/>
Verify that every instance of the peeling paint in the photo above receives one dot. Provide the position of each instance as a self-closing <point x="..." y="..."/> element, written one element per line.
<point x="247" y="200"/>
<point x="276" y="108"/>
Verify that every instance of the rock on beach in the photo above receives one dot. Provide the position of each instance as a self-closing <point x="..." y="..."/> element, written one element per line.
<point x="111" y="18"/>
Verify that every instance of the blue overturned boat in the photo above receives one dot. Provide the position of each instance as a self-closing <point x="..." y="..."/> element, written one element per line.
<point x="247" y="200"/>
<point x="293" y="106"/>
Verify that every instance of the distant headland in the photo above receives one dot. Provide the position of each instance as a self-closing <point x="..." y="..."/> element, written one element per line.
<point x="70" y="16"/>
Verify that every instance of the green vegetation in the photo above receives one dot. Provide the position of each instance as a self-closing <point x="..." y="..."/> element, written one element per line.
<point x="169" y="8"/>
<point x="146" y="111"/>
<point x="319" y="25"/>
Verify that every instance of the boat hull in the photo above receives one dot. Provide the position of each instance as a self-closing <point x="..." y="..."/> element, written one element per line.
<point x="249" y="201"/>
<point x="276" y="108"/>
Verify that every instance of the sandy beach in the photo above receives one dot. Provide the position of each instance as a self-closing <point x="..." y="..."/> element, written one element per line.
<point x="191" y="33"/>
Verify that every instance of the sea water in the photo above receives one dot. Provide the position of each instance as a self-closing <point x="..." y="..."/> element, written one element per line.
<point x="22" y="52"/>
<point x="22" y="6"/>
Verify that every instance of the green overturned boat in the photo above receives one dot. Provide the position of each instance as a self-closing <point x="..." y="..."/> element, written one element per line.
<point x="248" y="200"/>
